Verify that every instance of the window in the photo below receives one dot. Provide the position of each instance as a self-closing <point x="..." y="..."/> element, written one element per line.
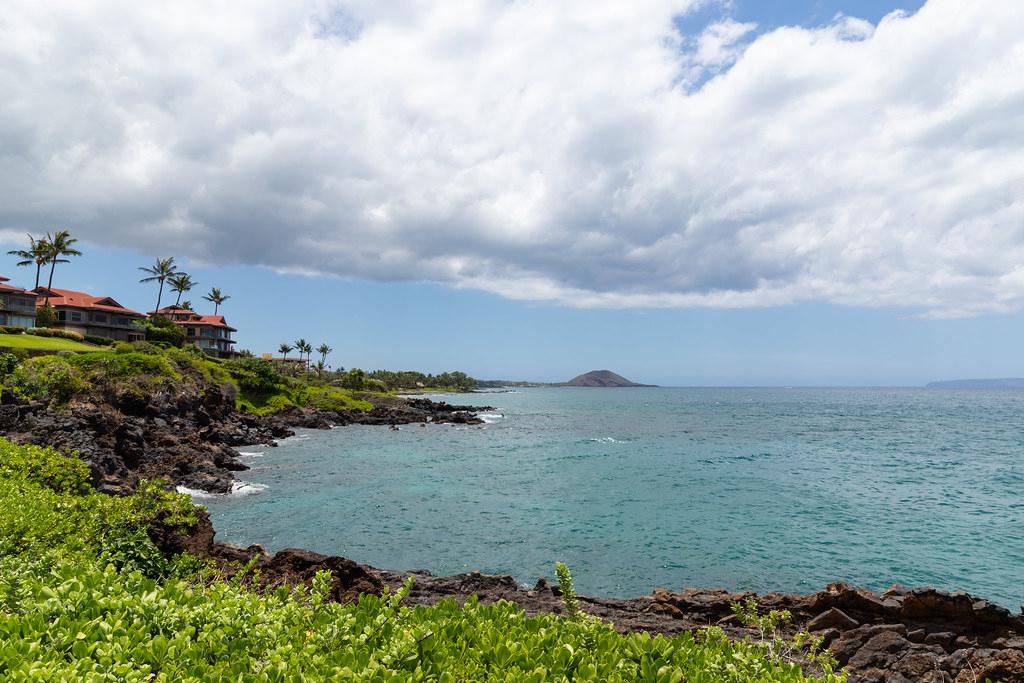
<point x="118" y="320"/>
<point x="76" y="316"/>
<point x="191" y="331"/>
<point x="99" y="317"/>
<point x="62" y="315"/>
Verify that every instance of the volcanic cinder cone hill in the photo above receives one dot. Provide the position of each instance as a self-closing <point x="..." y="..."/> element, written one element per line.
<point x="602" y="378"/>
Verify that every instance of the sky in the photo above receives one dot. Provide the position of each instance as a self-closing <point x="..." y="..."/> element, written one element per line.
<point x="687" y="192"/>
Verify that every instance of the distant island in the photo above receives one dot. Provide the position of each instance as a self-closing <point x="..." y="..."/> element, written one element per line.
<point x="594" y="378"/>
<point x="1001" y="383"/>
<point x="602" y="378"/>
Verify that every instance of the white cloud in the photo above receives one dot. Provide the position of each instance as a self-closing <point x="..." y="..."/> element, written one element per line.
<point x="547" y="151"/>
<point x="720" y="43"/>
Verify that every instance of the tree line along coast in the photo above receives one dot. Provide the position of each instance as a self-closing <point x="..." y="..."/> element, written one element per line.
<point x="50" y="319"/>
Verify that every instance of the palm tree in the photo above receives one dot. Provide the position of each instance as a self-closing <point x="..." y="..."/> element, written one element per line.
<point x="284" y="350"/>
<point x="38" y="254"/>
<point x="320" y="368"/>
<point x="181" y="283"/>
<point x="187" y="305"/>
<point x="57" y="246"/>
<point x="161" y="270"/>
<point x="216" y="298"/>
<point x="323" y="350"/>
<point x="304" y="347"/>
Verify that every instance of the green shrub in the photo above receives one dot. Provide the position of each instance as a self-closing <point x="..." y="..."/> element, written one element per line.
<point x="11" y="329"/>
<point x="354" y="379"/>
<point x="279" y="402"/>
<point x="154" y="499"/>
<point x="46" y="316"/>
<point x="49" y="377"/>
<point x="329" y="398"/>
<point x="376" y="385"/>
<point x="99" y="341"/>
<point x="44" y="467"/>
<point x="48" y="507"/>
<point x="129" y="548"/>
<point x="254" y="375"/>
<point x="55" y="332"/>
<point x="8" y="362"/>
<point x="565" y="584"/>
<point x="118" y="365"/>
<point x="192" y="357"/>
<point x="801" y="647"/>
<point x="137" y="347"/>
<point x="160" y="329"/>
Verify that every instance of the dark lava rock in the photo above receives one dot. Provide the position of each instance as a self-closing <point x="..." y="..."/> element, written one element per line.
<point x="293" y="566"/>
<point x="186" y="434"/>
<point x="833" y="618"/>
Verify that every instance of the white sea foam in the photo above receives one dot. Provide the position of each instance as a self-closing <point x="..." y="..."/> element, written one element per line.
<point x="605" y="439"/>
<point x="245" y="488"/>
<point x="491" y="418"/>
<point x="251" y="454"/>
<point x="238" y="488"/>
<point x="195" y="493"/>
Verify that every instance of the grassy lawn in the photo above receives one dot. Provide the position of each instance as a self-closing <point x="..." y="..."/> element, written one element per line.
<point x="29" y="341"/>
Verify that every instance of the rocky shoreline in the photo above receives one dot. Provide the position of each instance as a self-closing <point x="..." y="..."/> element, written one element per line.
<point x="899" y="636"/>
<point x="190" y="435"/>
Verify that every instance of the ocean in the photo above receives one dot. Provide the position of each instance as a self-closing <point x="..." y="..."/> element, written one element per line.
<point x="747" y="489"/>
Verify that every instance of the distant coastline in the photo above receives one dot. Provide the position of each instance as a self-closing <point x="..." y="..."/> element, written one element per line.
<point x="1000" y="383"/>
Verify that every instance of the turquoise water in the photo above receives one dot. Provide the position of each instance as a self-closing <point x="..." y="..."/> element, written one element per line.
<point x="761" y="489"/>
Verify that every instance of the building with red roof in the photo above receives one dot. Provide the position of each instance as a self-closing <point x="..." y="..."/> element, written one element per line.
<point x="84" y="313"/>
<point x="211" y="333"/>
<point x="17" y="305"/>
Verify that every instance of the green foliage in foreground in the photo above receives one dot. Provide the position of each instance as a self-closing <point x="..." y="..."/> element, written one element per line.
<point x="83" y="597"/>
<point x="86" y="624"/>
<point x="50" y="512"/>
